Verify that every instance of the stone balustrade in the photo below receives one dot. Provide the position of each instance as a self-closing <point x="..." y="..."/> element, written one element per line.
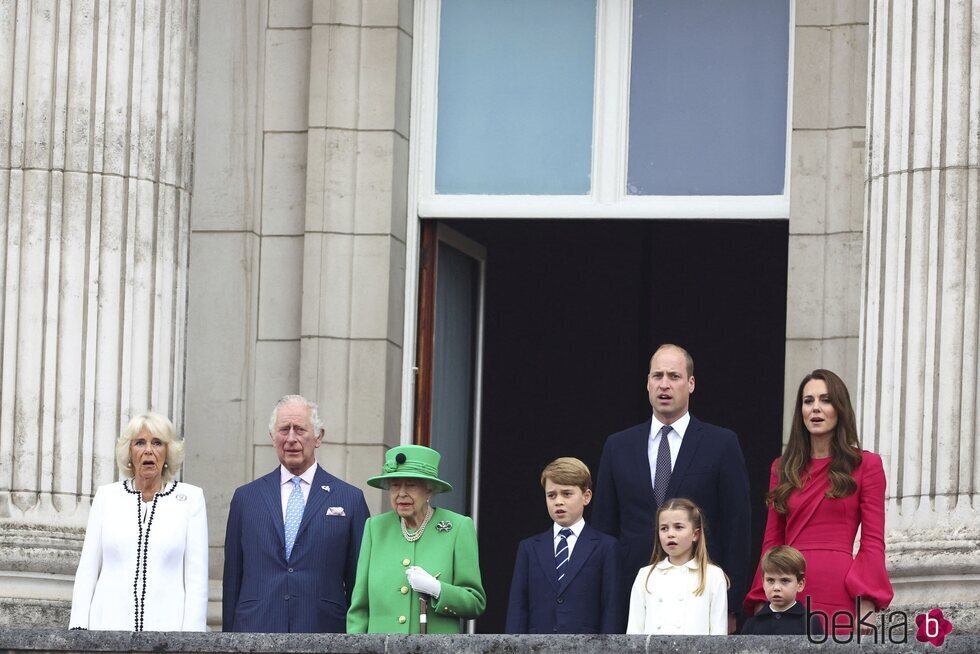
<point x="24" y="640"/>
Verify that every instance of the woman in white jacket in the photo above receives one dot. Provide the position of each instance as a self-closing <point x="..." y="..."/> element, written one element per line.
<point x="144" y="563"/>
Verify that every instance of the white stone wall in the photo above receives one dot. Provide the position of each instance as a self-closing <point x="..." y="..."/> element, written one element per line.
<point x="224" y="258"/>
<point x="297" y="246"/>
<point x="826" y="192"/>
<point x="354" y="242"/>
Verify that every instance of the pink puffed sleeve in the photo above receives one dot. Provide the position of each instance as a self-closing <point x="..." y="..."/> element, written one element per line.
<point x="867" y="576"/>
<point x="775" y="535"/>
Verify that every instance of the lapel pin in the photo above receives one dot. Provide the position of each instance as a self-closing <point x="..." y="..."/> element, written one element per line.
<point x="326" y="488"/>
<point x="444" y="525"/>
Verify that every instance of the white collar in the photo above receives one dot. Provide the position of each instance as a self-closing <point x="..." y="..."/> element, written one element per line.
<point x="666" y="566"/>
<point x="576" y="528"/>
<point x="680" y="425"/>
<point x="784" y="610"/>
<point x="285" y="476"/>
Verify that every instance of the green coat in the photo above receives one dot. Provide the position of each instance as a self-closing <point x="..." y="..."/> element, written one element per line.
<point x="384" y="603"/>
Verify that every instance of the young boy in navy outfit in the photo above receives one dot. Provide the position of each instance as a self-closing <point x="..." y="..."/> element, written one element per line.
<point x="566" y="580"/>
<point x="783" y="576"/>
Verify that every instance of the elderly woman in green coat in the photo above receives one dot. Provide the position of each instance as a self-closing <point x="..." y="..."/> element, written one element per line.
<point x="416" y="550"/>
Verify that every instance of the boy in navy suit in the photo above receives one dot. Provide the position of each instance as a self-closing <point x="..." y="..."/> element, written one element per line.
<point x="783" y="576"/>
<point x="566" y="580"/>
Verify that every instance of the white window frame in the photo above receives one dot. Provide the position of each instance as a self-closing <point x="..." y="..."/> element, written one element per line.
<point x="607" y="198"/>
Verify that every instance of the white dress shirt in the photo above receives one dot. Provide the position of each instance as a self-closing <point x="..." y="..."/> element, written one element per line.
<point x="286" y="485"/>
<point x="674" y="439"/>
<point x="576" y="531"/>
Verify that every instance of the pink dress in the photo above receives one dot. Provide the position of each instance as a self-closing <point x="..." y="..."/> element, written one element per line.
<point x="823" y="529"/>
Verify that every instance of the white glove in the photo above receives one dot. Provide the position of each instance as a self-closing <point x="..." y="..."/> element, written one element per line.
<point x="422" y="582"/>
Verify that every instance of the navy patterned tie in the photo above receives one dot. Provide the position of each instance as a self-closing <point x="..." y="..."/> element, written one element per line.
<point x="661" y="477"/>
<point x="561" y="553"/>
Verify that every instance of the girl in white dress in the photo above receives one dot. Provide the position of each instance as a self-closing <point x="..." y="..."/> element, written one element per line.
<point x="681" y="592"/>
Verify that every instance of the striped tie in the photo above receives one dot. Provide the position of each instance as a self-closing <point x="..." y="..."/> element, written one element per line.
<point x="561" y="555"/>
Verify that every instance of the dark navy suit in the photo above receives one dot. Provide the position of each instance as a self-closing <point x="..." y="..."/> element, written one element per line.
<point x="587" y="601"/>
<point x="262" y="591"/>
<point x="710" y="471"/>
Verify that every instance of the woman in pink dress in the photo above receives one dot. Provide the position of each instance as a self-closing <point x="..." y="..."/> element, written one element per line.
<point x="821" y="490"/>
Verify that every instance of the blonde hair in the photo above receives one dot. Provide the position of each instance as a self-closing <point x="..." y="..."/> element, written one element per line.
<point x="785" y="559"/>
<point x="159" y="427"/>
<point x="700" y="547"/>
<point x="567" y="471"/>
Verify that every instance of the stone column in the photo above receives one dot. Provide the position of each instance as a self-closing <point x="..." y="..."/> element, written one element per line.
<point x="95" y="137"/>
<point x="921" y="288"/>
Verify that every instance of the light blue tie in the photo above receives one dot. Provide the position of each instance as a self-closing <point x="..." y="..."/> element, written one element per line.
<point x="294" y="514"/>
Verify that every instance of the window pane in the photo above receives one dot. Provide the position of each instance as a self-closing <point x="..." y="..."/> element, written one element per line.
<point x="515" y="96"/>
<point x="708" y="97"/>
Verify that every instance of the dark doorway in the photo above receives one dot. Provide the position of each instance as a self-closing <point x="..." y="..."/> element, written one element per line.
<point x="574" y="309"/>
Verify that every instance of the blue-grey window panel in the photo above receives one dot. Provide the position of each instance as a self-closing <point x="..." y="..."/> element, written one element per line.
<point x="454" y="358"/>
<point x="708" y="96"/>
<point x="515" y="97"/>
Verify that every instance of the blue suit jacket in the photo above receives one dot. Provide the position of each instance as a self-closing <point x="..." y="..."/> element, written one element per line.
<point x="587" y="601"/>
<point x="710" y="471"/>
<point x="309" y="593"/>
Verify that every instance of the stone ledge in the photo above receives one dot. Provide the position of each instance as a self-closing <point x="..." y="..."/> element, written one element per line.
<point x="48" y="640"/>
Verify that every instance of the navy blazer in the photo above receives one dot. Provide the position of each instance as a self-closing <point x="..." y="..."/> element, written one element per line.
<point x="262" y="592"/>
<point x="587" y="601"/>
<point x="791" y="622"/>
<point x="710" y="471"/>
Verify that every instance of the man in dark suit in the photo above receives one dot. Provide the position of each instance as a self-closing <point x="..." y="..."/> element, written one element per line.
<point x="675" y="455"/>
<point x="293" y="536"/>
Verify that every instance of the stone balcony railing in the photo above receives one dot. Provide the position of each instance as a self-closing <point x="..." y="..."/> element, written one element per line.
<point x="48" y="640"/>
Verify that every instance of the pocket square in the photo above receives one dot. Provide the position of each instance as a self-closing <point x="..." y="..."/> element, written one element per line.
<point x="336" y="510"/>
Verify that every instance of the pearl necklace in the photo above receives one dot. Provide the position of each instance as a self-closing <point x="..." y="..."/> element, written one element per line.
<point x="411" y="538"/>
<point x="142" y="548"/>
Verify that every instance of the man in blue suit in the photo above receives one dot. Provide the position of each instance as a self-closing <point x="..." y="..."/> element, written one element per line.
<point x="293" y="536"/>
<point x="566" y="580"/>
<point x="675" y="455"/>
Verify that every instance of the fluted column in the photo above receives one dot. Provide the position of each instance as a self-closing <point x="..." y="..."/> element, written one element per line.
<point x="95" y="145"/>
<point x="919" y="333"/>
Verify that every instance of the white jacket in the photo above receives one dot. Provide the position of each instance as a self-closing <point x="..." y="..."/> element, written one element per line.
<point x="176" y="568"/>
<point x="667" y="603"/>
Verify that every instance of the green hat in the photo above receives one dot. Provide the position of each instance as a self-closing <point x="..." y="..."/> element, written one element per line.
<point x="411" y="462"/>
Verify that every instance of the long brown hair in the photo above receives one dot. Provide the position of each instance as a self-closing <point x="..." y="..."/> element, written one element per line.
<point x="845" y="447"/>
<point x="700" y="547"/>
